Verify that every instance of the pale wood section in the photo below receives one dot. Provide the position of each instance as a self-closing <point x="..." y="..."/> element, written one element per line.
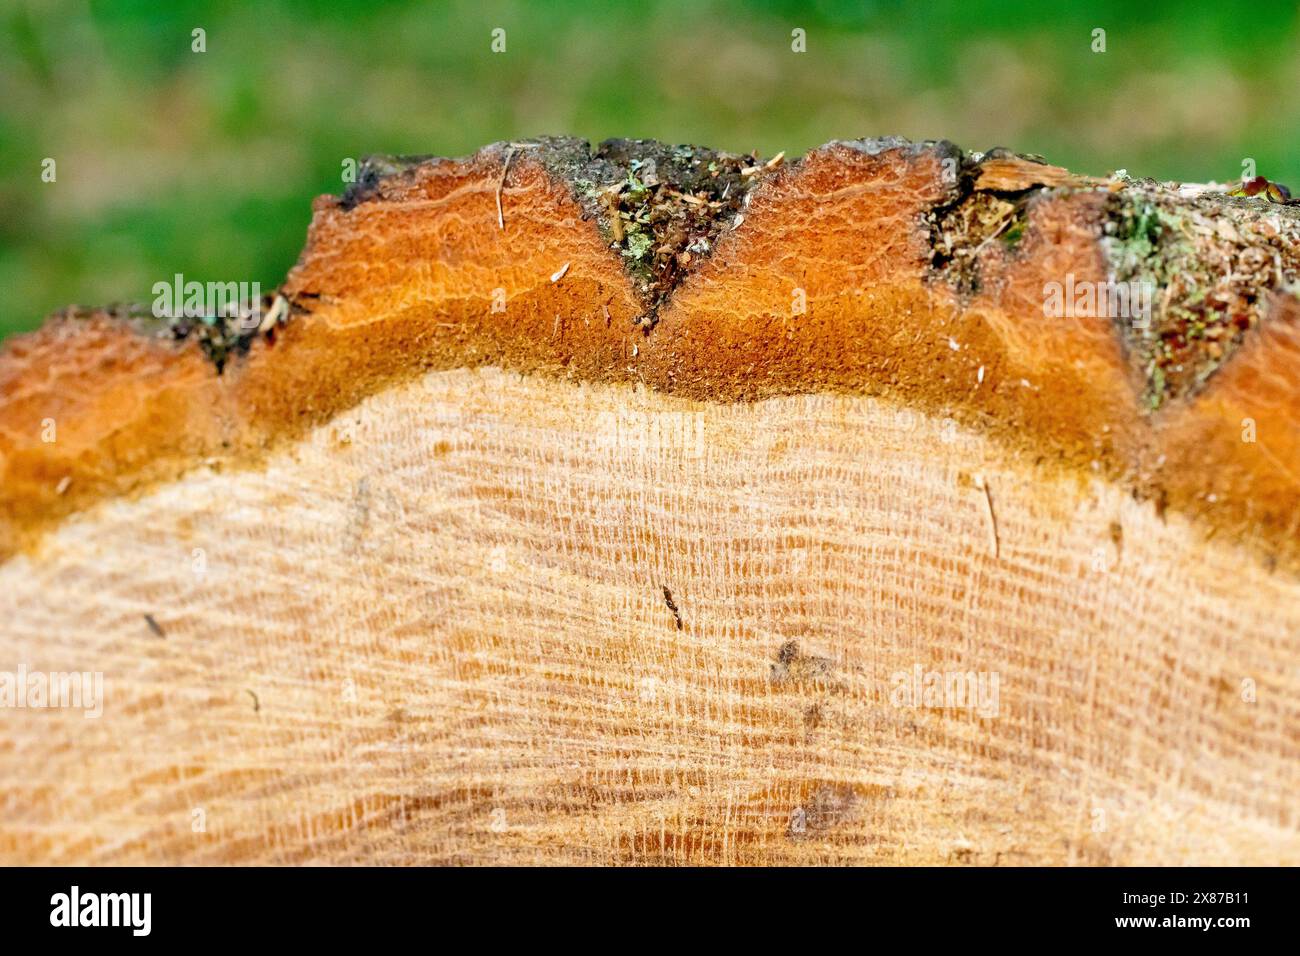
<point x="436" y="631"/>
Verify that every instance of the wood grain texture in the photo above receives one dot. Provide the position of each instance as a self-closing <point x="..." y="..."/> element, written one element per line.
<point x="434" y="631"/>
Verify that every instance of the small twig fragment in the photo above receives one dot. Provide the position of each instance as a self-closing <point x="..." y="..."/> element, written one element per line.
<point x="768" y="166"/>
<point x="505" y="171"/>
<point x="279" y="310"/>
<point x="1012" y="173"/>
<point x="687" y="197"/>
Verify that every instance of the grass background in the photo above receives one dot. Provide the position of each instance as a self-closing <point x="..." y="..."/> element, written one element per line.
<point x="205" y="163"/>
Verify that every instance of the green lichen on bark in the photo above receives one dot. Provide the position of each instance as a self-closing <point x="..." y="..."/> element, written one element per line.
<point x="1201" y="263"/>
<point x="962" y="231"/>
<point x="1211" y="261"/>
<point x="661" y="208"/>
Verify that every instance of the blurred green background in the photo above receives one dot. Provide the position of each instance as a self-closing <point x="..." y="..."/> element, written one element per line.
<point x="171" y="161"/>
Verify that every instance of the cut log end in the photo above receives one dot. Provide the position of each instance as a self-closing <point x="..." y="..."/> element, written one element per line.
<point x="980" y="286"/>
<point x="606" y="501"/>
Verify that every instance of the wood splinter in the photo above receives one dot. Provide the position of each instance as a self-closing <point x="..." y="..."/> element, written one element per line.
<point x="994" y="541"/>
<point x="668" y="599"/>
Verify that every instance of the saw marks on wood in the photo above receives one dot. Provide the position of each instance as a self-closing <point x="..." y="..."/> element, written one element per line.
<point x="444" y="629"/>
